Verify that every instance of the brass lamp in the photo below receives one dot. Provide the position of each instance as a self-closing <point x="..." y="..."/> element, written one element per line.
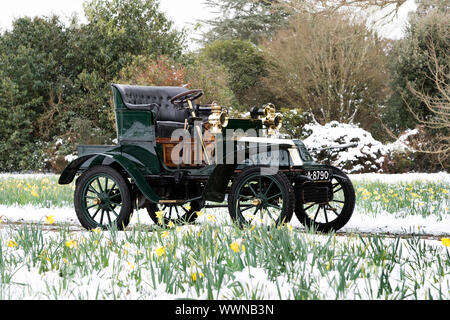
<point x="218" y="119"/>
<point x="272" y="119"/>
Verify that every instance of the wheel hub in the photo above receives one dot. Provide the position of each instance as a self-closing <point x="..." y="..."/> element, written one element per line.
<point x="257" y="202"/>
<point x="103" y="201"/>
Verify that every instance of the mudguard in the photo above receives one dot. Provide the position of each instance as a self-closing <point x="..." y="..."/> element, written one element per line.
<point x="131" y="167"/>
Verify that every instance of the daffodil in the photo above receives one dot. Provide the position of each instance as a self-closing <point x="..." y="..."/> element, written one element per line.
<point x="199" y="213"/>
<point x="165" y="234"/>
<point x="96" y="230"/>
<point x="11" y="243"/>
<point x="211" y="218"/>
<point x="235" y="247"/>
<point x="131" y="265"/>
<point x="71" y="244"/>
<point x="159" y="215"/>
<point x="194" y="276"/>
<point x="34" y="193"/>
<point x="50" y="219"/>
<point x="160" y="251"/>
<point x="170" y="224"/>
<point x="446" y="242"/>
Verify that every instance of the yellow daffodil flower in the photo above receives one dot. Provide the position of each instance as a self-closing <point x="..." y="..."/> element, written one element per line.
<point x="71" y="244"/>
<point x="11" y="243"/>
<point x="159" y="215"/>
<point x="160" y="251"/>
<point x="446" y="242"/>
<point x="235" y="247"/>
<point x="50" y="219"/>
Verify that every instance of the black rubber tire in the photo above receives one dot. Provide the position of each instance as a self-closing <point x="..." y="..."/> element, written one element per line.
<point x="346" y="210"/>
<point x="88" y="222"/>
<point x="189" y="216"/>
<point x="283" y="184"/>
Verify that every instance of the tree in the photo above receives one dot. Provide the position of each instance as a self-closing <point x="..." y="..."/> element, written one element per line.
<point x="437" y="143"/>
<point x="244" y="19"/>
<point x="244" y="63"/>
<point x="329" y="66"/>
<point x="56" y="78"/>
<point x="199" y="72"/>
<point x="254" y="20"/>
<point x="409" y="62"/>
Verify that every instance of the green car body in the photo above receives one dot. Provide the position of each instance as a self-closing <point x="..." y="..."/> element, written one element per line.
<point x="139" y="157"/>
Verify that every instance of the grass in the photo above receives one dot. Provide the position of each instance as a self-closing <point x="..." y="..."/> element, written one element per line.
<point x="218" y="262"/>
<point x="43" y="192"/>
<point x="402" y="199"/>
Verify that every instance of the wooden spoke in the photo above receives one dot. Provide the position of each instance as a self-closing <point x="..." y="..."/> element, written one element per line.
<point x="92" y="189"/>
<point x="114" y="211"/>
<point x="95" y="214"/>
<point x="99" y="184"/>
<point x="101" y="218"/>
<point x="317" y="212"/>
<point x="277" y="195"/>
<point x="251" y="188"/>
<point x="270" y="185"/>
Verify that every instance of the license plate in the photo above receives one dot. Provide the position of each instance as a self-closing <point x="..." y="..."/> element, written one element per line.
<point x="318" y="175"/>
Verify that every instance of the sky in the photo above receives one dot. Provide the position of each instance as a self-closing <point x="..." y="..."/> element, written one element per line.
<point x="184" y="13"/>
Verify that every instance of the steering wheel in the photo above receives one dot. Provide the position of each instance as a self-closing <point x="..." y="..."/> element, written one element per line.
<point x="187" y="95"/>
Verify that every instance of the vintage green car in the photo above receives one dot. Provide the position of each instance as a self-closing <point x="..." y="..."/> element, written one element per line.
<point x="175" y="157"/>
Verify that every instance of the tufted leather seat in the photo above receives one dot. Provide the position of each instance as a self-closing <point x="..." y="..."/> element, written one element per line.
<point x="168" y="116"/>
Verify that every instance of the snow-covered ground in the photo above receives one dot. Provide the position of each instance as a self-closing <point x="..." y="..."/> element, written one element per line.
<point x="29" y="282"/>
<point x="383" y="222"/>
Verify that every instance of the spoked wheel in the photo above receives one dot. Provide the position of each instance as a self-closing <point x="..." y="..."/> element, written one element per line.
<point x="335" y="213"/>
<point x="102" y="199"/>
<point x="163" y="214"/>
<point x="260" y="199"/>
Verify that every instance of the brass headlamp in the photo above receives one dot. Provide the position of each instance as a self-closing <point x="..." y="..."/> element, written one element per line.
<point x="218" y="119"/>
<point x="271" y="120"/>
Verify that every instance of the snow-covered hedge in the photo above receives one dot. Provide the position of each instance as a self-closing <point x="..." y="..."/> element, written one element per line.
<point x="369" y="156"/>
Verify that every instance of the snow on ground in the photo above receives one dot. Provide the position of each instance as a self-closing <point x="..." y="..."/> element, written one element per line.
<point x="443" y="177"/>
<point x="383" y="222"/>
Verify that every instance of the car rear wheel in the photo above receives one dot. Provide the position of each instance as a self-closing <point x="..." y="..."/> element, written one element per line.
<point x="332" y="214"/>
<point x="163" y="214"/>
<point x="259" y="198"/>
<point x="102" y="199"/>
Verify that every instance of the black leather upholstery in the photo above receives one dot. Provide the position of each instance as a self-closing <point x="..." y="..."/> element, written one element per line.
<point x="145" y="97"/>
<point x="168" y="116"/>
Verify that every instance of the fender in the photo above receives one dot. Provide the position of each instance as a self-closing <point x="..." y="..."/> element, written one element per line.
<point x="131" y="167"/>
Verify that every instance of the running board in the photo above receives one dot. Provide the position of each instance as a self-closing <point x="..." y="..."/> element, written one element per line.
<point x="171" y="201"/>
